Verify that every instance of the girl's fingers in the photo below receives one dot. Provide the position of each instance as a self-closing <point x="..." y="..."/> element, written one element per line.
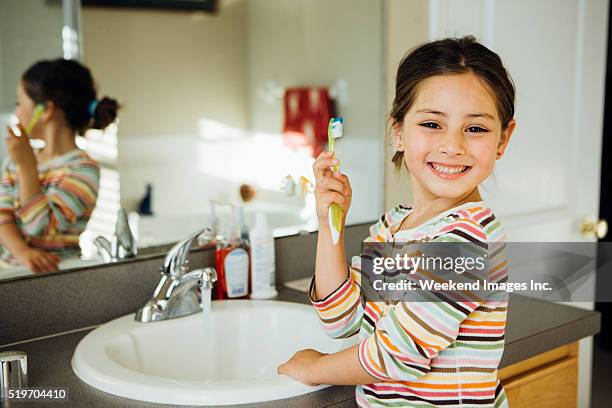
<point x="35" y="267"/>
<point x="52" y="261"/>
<point x="53" y="257"/>
<point x="44" y="265"/>
<point x="12" y="134"/>
<point x="10" y="137"/>
<point x="329" y="183"/>
<point x="322" y="164"/>
<point x="321" y="168"/>
<point x="324" y="153"/>
<point x="333" y="197"/>
<point x="50" y="265"/>
<point x="45" y="262"/>
<point x="21" y="128"/>
<point x="345" y="181"/>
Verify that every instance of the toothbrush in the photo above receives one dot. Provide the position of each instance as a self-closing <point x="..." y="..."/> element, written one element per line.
<point x="38" y="111"/>
<point x="334" y="131"/>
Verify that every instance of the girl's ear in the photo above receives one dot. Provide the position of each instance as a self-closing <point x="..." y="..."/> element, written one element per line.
<point x="48" y="112"/>
<point x="398" y="139"/>
<point x="505" y="138"/>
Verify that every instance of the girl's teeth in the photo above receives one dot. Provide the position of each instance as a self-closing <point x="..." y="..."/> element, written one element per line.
<point x="448" y="170"/>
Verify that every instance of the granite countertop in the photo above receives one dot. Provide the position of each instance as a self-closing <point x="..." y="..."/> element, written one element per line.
<point x="533" y="327"/>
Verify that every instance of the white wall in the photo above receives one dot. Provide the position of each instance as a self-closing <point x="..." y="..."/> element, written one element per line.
<point x="169" y="69"/>
<point x="30" y="31"/>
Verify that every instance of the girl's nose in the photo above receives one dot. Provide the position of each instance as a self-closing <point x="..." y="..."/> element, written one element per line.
<point x="452" y="144"/>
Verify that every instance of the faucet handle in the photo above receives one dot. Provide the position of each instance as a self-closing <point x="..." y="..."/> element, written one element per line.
<point x="104" y="248"/>
<point x="209" y="277"/>
<point x="126" y="244"/>
<point x="175" y="261"/>
<point x="13" y="371"/>
<point x="122" y="243"/>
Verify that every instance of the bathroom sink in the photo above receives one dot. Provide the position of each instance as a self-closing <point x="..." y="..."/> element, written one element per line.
<point x="180" y="362"/>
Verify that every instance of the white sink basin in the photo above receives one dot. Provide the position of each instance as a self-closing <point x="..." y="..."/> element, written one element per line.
<point x="176" y="362"/>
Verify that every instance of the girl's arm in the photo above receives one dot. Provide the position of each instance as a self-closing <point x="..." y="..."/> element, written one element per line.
<point x="29" y="185"/>
<point x="73" y="195"/>
<point x="313" y="368"/>
<point x="10" y="235"/>
<point x="21" y="153"/>
<point x="330" y="265"/>
<point x="11" y="238"/>
<point x="35" y="260"/>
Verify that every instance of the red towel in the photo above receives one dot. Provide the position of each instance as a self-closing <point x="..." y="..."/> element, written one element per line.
<point x="307" y="114"/>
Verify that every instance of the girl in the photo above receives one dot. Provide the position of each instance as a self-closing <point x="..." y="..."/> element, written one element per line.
<point x="452" y="118"/>
<point x="47" y="196"/>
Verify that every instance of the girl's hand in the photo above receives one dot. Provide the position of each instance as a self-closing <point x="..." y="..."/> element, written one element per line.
<point x="19" y="148"/>
<point x="330" y="188"/>
<point x="300" y="366"/>
<point x="38" y="261"/>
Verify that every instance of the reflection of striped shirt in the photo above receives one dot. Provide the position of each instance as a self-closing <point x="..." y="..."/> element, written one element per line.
<point x="53" y="219"/>
<point x="427" y="354"/>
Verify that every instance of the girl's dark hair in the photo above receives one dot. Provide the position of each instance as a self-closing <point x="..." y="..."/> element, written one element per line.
<point x="70" y="86"/>
<point x="451" y="56"/>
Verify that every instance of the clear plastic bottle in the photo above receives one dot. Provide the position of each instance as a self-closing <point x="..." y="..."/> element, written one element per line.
<point x="263" y="268"/>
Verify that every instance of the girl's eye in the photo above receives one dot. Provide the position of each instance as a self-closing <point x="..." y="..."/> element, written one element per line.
<point x="476" y="129"/>
<point x="430" y="125"/>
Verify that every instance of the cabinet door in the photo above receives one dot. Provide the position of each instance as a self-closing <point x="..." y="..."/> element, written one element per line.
<point x="552" y="386"/>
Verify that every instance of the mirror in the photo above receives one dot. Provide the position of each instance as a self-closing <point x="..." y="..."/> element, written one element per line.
<point x="226" y="107"/>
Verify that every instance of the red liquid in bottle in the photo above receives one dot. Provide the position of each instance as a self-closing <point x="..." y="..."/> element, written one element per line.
<point x="238" y="285"/>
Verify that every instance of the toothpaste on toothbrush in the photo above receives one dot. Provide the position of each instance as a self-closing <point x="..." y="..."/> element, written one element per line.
<point x="334" y="131"/>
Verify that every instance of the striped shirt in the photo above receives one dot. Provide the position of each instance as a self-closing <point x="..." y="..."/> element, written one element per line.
<point x="54" y="219"/>
<point x="427" y="354"/>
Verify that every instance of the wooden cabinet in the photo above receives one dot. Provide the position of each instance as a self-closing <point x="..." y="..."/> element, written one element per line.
<point x="548" y="380"/>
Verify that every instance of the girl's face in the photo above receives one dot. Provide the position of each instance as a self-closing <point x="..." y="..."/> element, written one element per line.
<point x="24" y="107"/>
<point x="452" y="135"/>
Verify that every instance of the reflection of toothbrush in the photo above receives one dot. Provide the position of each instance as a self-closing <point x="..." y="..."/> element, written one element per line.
<point x="38" y="111"/>
<point x="334" y="131"/>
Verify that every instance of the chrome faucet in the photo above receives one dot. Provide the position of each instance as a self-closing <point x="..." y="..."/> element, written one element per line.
<point x="122" y="245"/>
<point x="177" y="292"/>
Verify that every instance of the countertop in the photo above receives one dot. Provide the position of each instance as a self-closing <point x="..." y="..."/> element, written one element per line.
<point x="533" y="327"/>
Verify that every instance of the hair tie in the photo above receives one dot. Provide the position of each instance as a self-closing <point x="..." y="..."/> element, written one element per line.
<point x="92" y="107"/>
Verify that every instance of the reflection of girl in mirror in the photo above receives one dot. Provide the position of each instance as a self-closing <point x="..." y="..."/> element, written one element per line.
<point x="452" y="118"/>
<point x="48" y="195"/>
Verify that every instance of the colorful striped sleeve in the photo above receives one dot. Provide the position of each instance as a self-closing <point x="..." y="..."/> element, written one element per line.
<point x="411" y="333"/>
<point x="341" y="311"/>
<point x="7" y="187"/>
<point x="64" y="201"/>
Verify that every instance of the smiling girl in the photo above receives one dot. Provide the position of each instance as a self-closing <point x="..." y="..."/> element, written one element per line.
<point x="452" y="118"/>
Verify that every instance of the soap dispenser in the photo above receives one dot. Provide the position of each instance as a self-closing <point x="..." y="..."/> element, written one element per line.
<point x="233" y="263"/>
